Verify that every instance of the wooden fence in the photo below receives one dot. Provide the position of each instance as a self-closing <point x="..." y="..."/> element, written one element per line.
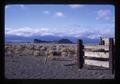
<point x="96" y="55"/>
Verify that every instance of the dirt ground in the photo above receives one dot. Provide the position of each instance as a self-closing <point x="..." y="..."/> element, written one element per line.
<point x="31" y="67"/>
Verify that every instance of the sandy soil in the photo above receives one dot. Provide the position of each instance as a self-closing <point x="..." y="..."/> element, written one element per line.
<point x="31" y="67"/>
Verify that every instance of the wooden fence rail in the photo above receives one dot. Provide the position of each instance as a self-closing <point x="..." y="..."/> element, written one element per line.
<point x="95" y="47"/>
<point x="99" y="58"/>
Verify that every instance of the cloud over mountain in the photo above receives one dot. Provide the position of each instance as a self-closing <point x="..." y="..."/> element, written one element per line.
<point x="78" y="32"/>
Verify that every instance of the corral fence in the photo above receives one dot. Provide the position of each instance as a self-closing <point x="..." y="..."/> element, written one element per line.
<point x="96" y="55"/>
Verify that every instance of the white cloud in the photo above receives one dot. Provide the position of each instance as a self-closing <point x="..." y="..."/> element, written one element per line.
<point x="76" y="6"/>
<point x="80" y="32"/>
<point x="46" y="12"/>
<point x="19" y="31"/>
<point x="47" y="33"/>
<point x="27" y="31"/>
<point x="43" y="29"/>
<point x="59" y="14"/>
<point x="103" y="14"/>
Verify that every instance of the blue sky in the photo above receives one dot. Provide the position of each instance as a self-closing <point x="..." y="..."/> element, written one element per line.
<point x="75" y="20"/>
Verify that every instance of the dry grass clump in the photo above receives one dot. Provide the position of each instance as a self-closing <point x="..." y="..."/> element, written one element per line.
<point x="42" y="53"/>
<point x="9" y="52"/>
<point x="53" y="51"/>
<point x="31" y="47"/>
<point x="50" y="53"/>
<point x="36" y="53"/>
<point x="18" y="49"/>
<point x="36" y="47"/>
<point x="58" y="48"/>
<point x="27" y="52"/>
<point x="41" y="50"/>
<point x="71" y="53"/>
<point x="64" y="54"/>
<point x="9" y="49"/>
<point x="63" y="49"/>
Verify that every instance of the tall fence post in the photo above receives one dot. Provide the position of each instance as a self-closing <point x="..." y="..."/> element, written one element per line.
<point x="80" y="53"/>
<point x="33" y="48"/>
<point x="100" y="42"/>
<point x="111" y="55"/>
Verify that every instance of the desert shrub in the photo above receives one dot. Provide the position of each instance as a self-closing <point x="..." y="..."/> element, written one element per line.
<point x="40" y="46"/>
<point x="42" y="53"/>
<point x="53" y="47"/>
<point x="64" y="54"/>
<point x="71" y="54"/>
<point x="36" y="53"/>
<point x="50" y="53"/>
<point x="12" y="47"/>
<point x="58" y="48"/>
<point x="43" y="48"/>
<point x="16" y="51"/>
<point x="8" y="52"/>
<point x="26" y="52"/>
<point x="62" y="46"/>
<point x="63" y="50"/>
<point x="58" y="53"/>
<point x="20" y="47"/>
<point x="6" y="48"/>
<point x="36" y="47"/>
<point x="72" y="50"/>
<point x="11" y="51"/>
<point x="30" y="47"/>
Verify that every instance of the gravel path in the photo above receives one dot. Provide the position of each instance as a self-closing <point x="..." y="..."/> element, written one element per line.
<point x="30" y="67"/>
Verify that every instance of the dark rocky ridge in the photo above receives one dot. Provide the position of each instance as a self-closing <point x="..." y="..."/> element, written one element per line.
<point x="59" y="41"/>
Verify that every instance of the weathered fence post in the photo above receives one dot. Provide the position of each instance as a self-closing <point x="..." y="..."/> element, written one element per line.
<point x="33" y="49"/>
<point x="80" y="53"/>
<point x="111" y="55"/>
<point x="100" y="42"/>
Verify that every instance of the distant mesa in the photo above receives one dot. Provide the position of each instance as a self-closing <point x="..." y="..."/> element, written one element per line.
<point x="65" y="41"/>
<point x="40" y="41"/>
<point x="59" y="41"/>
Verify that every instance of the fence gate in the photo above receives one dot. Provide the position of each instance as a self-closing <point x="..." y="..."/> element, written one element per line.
<point x="96" y="55"/>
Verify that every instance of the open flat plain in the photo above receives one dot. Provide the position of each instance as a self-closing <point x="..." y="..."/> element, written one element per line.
<point x="48" y="61"/>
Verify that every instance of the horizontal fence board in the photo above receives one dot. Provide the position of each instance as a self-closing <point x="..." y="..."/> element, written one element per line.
<point x="96" y="47"/>
<point x="97" y="63"/>
<point x="96" y="58"/>
<point x="97" y="54"/>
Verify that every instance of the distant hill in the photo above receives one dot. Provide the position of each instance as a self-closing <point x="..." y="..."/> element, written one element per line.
<point x="59" y="41"/>
<point x="40" y="41"/>
<point x="64" y="41"/>
<point x="48" y="38"/>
